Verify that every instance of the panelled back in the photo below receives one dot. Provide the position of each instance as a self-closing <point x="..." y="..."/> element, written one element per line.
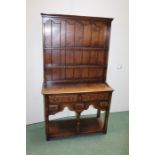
<point x="75" y="48"/>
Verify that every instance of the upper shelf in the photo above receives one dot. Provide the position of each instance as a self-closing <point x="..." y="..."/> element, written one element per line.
<point x="76" y="48"/>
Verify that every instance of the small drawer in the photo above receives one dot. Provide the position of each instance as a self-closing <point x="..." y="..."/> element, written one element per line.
<point x="95" y="97"/>
<point x="103" y="104"/>
<point x="53" y="108"/>
<point x="62" y="98"/>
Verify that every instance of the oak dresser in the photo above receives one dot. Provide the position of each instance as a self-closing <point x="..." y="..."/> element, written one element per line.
<point x="75" y="57"/>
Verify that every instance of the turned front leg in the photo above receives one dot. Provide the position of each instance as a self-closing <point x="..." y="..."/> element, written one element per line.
<point x="106" y="121"/>
<point x="106" y="117"/>
<point x="46" y="116"/>
<point x="78" y="121"/>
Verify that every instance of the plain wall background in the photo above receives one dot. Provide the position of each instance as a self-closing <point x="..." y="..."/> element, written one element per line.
<point x="117" y="75"/>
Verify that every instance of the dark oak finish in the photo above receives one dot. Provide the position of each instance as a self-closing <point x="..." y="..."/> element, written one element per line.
<point x="75" y="51"/>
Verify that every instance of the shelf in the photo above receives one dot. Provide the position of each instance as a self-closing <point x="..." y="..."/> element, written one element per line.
<point x="74" y="66"/>
<point x="76" y="48"/>
<point x="62" y="128"/>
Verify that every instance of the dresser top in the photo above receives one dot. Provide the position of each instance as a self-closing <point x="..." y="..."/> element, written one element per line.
<point x="75" y="16"/>
<point x="75" y="88"/>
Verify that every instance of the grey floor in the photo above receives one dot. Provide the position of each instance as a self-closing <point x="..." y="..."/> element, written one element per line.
<point x="115" y="142"/>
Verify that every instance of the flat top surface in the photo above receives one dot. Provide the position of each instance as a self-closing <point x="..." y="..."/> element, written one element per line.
<point x="75" y="88"/>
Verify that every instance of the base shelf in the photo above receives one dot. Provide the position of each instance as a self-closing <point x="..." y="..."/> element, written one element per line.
<point x="62" y="128"/>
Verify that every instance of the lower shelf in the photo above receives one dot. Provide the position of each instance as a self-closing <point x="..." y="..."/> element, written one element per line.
<point x="61" y="128"/>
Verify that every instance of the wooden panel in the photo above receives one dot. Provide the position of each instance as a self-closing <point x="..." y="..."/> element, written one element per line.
<point x="99" y="72"/>
<point x="70" y="33"/>
<point x="63" y="33"/>
<point x="77" y="73"/>
<point x="95" y="36"/>
<point x="78" y="57"/>
<point x="47" y="33"/>
<point x="55" y="74"/>
<point x="92" y="72"/>
<point x="62" y="57"/>
<point x="86" y="57"/>
<point x="85" y="73"/>
<point x="69" y="57"/>
<point x="69" y="73"/>
<point x="102" y="56"/>
<point x="87" y="35"/>
<point x="107" y="37"/>
<point x="48" y="74"/>
<point x="56" y="34"/>
<point x="62" y="73"/>
<point x="47" y="56"/>
<point x="93" y="57"/>
<point x="79" y="34"/>
<point x="102" y="35"/>
<point x="56" y="57"/>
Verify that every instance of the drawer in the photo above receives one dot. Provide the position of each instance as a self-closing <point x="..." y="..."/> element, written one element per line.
<point x="103" y="105"/>
<point x="63" y="98"/>
<point x="95" y="97"/>
<point x="54" y="107"/>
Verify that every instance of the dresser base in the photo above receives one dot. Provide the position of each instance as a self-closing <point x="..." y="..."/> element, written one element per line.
<point x="59" y="96"/>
